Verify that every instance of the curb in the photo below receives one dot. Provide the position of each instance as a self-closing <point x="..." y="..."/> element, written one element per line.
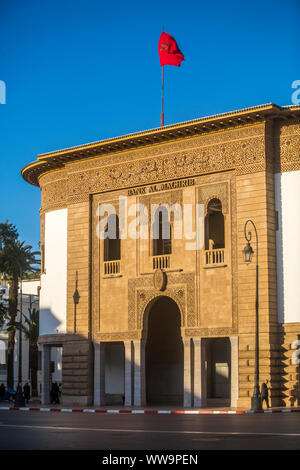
<point x="122" y="411"/>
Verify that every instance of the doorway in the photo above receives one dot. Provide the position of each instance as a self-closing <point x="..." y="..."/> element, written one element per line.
<point x="164" y="354"/>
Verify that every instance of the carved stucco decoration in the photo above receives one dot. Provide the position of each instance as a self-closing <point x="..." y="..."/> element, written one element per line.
<point x="159" y="280"/>
<point x="165" y="166"/>
<point x="164" y="149"/>
<point x="209" y="332"/>
<point x="54" y="192"/>
<point x="214" y="191"/>
<point x="287" y="139"/>
<point x="242" y="149"/>
<point x="120" y="336"/>
<point x="180" y="288"/>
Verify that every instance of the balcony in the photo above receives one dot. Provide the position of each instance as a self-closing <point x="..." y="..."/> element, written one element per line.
<point x="112" y="267"/>
<point x="214" y="257"/>
<point x="161" y="262"/>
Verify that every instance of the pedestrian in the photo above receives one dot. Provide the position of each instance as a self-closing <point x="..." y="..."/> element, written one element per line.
<point x="265" y="393"/>
<point x="26" y="392"/>
<point x="56" y="393"/>
<point x="2" y="392"/>
<point x="52" y="394"/>
<point x="59" y="390"/>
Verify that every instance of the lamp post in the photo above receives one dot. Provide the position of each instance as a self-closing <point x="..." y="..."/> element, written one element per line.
<point x="19" y="398"/>
<point x="256" y="403"/>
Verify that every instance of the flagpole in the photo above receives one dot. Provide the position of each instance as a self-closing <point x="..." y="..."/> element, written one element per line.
<point x="162" y="98"/>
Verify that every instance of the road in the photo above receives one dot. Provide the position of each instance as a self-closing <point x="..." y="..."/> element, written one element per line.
<point x="65" y="431"/>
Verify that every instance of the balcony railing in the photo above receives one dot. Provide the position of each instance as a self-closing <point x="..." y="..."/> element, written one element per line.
<point x="112" y="267"/>
<point x="161" y="262"/>
<point x="214" y="257"/>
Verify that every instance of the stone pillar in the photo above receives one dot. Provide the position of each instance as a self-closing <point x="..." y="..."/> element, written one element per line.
<point x="200" y="392"/>
<point x="139" y="373"/>
<point x="46" y="356"/>
<point x="187" y="381"/>
<point x="234" y="341"/>
<point x="99" y="374"/>
<point x="129" y="364"/>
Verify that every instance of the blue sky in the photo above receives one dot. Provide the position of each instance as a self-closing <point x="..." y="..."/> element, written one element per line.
<point x="79" y="71"/>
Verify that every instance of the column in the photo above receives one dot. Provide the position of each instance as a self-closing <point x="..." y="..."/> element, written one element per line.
<point x="234" y="341"/>
<point x="128" y="373"/>
<point x="139" y="373"/>
<point x="46" y="351"/>
<point x="99" y="374"/>
<point x="187" y="380"/>
<point x="200" y="392"/>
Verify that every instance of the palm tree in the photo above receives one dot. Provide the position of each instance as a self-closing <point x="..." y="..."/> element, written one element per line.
<point x="16" y="259"/>
<point x="31" y="330"/>
<point x="3" y="314"/>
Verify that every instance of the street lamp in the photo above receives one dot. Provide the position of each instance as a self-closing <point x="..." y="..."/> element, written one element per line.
<point x="19" y="398"/>
<point x="256" y="403"/>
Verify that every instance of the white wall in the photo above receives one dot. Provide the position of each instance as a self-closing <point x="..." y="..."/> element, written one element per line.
<point x="53" y="295"/>
<point x="56" y="356"/>
<point x="287" y="203"/>
<point x="29" y="297"/>
<point x="30" y="287"/>
<point x="114" y="368"/>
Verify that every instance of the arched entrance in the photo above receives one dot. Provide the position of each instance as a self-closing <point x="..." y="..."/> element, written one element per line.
<point x="164" y="353"/>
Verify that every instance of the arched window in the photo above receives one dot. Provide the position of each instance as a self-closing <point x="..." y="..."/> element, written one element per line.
<point x="214" y="226"/>
<point x="161" y="232"/>
<point x="112" y="243"/>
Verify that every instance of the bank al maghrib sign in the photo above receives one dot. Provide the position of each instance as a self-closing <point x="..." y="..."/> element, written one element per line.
<point x="161" y="187"/>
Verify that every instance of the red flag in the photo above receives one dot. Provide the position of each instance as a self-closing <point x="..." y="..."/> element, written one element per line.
<point x="169" y="52"/>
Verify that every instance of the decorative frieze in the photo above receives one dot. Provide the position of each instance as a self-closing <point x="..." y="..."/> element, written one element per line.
<point x="241" y="152"/>
<point x="54" y="191"/>
<point x="287" y="153"/>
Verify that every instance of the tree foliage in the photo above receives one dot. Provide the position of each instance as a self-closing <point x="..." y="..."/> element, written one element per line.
<point x="16" y="259"/>
<point x="3" y="314"/>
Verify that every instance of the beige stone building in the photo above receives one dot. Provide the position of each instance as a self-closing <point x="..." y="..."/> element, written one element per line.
<point x="171" y="320"/>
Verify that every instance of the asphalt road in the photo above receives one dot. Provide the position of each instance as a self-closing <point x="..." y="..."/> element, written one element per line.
<point x="69" y="431"/>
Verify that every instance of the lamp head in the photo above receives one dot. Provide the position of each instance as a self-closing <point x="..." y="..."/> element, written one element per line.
<point x="248" y="253"/>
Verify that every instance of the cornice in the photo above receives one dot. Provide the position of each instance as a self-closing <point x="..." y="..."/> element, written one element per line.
<point x="174" y="132"/>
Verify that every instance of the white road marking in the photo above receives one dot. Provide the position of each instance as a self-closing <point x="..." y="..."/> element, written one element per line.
<point x="157" y="431"/>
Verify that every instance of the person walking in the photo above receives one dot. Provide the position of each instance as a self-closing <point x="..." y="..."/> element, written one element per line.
<point x="54" y="393"/>
<point x="265" y="393"/>
<point x="2" y="392"/>
<point x="26" y="392"/>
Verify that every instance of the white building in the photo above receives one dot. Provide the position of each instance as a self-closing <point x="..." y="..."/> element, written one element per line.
<point x="29" y="299"/>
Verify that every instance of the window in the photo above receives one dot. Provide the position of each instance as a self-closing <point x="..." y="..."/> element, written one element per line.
<point x="214" y="226"/>
<point x="161" y="232"/>
<point x="112" y="244"/>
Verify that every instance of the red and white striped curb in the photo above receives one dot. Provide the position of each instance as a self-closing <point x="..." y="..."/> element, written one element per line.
<point x="124" y="411"/>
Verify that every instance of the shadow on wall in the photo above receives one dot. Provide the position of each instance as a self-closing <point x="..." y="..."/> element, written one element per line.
<point x="49" y="323"/>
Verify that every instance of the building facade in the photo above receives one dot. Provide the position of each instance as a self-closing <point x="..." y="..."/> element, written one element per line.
<point x="170" y="318"/>
<point x="28" y="298"/>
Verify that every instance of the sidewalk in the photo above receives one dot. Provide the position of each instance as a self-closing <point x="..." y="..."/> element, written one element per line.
<point x="35" y="405"/>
